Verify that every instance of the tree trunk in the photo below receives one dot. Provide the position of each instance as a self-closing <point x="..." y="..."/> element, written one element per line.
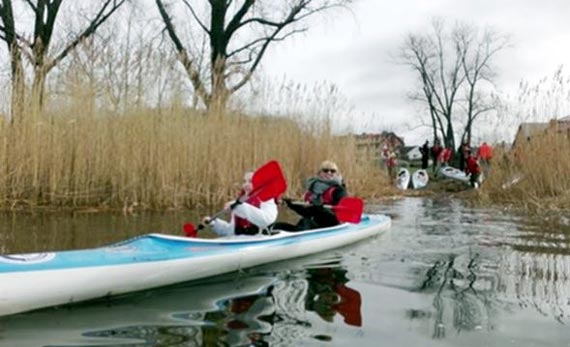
<point x="18" y="87"/>
<point x="38" y="90"/>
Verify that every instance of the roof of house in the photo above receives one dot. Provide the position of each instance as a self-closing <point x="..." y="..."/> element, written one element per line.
<point x="530" y="129"/>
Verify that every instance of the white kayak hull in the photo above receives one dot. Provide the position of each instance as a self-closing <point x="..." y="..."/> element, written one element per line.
<point x="456" y="174"/>
<point x="420" y="179"/>
<point x="32" y="281"/>
<point x="403" y="179"/>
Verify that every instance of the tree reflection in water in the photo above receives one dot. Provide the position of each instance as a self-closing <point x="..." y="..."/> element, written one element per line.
<point x="471" y="308"/>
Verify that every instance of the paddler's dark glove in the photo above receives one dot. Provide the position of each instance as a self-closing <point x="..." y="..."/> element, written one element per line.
<point x="235" y="203"/>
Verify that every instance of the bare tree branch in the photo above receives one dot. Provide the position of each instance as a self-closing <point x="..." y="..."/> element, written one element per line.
<point x="196" y="18"/>
<point x="32" y="5"/>
<point x="99" y="19"/>
<point x="233" y="58"/>
<point x="183" y="56"/>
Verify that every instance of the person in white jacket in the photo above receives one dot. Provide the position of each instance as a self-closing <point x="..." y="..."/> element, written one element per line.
<point x="249" y="216"/>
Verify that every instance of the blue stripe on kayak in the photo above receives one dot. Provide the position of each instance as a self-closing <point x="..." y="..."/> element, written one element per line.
<point x="152" y="248"/>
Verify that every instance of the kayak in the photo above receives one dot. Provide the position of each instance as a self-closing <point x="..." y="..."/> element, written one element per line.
<point x="420" y="179"/>
<point x="451" y="172"/>
<point x="403" y="179"/>
<point x="36" y="280"/>
<point x="456" y="174"/>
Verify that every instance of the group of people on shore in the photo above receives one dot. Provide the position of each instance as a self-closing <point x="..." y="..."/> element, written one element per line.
<point x="468" y="160"/>
<point x="250" y="215"/>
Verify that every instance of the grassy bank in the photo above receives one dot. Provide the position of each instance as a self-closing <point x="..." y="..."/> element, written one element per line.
<point x="158" y="159"/>
<point x="533" y="176"/>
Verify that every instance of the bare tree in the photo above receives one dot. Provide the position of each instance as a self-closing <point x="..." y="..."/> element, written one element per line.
<point x="238" y="35"/>
<point x="8" y="35"/>
<point x="477" y="54"/>
<point x="449" y="66"/>
<point x="37" y="50"/>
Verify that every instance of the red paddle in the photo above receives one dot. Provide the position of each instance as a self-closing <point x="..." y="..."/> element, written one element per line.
<point x="348" y="209"/>
<point x="268" y="183"/>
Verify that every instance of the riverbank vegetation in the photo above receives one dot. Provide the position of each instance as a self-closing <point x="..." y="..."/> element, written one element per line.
<point x="132" y="115"/>
<point x="173" y="157"/>
<point x="534" y="173"/>
<point x="533" y="176"/>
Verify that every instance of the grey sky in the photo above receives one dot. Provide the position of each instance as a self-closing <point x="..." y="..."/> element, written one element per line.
<point x="355" y="50"/>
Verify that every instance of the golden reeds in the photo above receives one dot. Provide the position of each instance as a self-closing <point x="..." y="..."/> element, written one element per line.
<point x="535" y="173"/>
<point x="160" y="159"/>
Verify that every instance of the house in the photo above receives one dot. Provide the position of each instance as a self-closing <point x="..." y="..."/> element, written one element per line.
<point x="379" y="144"/>
<point x="413" y="153"/>
<point x="527" y="131"/>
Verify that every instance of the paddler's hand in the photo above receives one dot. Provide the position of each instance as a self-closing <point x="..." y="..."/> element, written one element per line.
<point x="230" y="205"/>
<point x="206" y="220"/>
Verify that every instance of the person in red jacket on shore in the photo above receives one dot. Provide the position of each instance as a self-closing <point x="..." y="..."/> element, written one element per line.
<point x="473" y="169"/>
<point x="446" y="155"/>
<point x="485" y="154"/>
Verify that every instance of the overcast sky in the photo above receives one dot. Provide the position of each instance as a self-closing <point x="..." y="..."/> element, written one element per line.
<point x="355" y="51"/>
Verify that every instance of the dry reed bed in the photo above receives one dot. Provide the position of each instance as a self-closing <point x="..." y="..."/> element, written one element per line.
<point x="533" y="176"/>
<point x="162" y="158"/>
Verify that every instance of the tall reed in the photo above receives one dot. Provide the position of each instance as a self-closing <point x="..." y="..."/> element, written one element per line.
<point x="116" y="130"/>
<point x="161" y="158"/>
<point x="534" y="174"/>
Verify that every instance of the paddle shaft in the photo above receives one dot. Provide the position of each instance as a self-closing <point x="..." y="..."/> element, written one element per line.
<point x="348" y="209"/>
<point x="216" y="215"/>
<point x="306" y="204"/>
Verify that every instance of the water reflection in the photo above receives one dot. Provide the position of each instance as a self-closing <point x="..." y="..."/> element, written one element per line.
<point x="239" y="309"/>
<point x="328" y="294"/>
<point x="446" y="275"/>
<point x="482" y="269"/>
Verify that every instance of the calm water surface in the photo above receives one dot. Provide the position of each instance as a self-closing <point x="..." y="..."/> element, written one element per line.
<point x="444" y="275"/>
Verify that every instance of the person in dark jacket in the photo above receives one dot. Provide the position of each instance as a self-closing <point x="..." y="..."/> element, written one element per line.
<point x="424" y="150"/>
<point x="325" y="189"/>
<point x="463" y="153"/>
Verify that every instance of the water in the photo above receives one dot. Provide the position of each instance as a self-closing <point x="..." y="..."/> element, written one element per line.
<point x="444" y="275"/>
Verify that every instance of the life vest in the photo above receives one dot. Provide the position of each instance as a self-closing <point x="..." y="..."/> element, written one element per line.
<point x="242" y="225"/>
<point x="326" y="197"/>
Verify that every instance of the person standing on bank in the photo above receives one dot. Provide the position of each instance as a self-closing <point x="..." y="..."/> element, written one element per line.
<point x="326" y="188"/>
<point x="424" y="150"/>
<point x="436" y="151"/>
<point x="249" y="216"/>
<point x="463" y="153"/>
<point x="472" y="168"/>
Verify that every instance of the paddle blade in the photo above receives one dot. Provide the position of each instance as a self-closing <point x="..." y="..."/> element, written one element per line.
<point x="349" y="210"/>
<point x="268" y="181"/>
<point x="190" y="230"/>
